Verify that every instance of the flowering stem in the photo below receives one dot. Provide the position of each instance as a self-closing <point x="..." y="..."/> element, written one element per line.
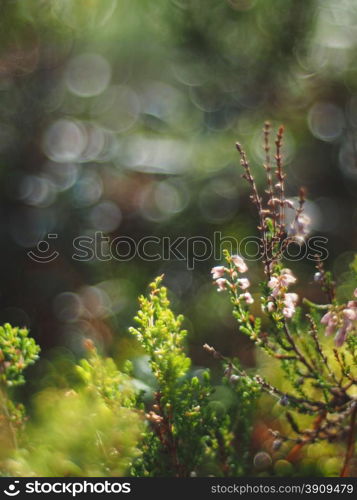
<point x="257" y="202"/>
<point x="280" y="176"/>
<point x="267" y="167"/>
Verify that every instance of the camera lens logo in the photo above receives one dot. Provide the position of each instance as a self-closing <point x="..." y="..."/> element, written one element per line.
<point x="13" y="490"/>
<point x="42" y="253"/>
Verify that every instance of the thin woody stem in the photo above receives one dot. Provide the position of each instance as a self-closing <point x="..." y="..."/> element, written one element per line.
<point x="318" y="405"/>
<point x="327" y="286"/>
<point x="350" y="443"/>
<point x="267" y="164"/>
<point x="280" y="176"/>
<point x="257" y="202"/>
<point x="270" y="192"/>
<point x="319" y="350"/>
<point x="293" y="454"/>
<point x="341" y="365"/>
<point x="302" y="199"/>
<point x="308" y="405"/>
<point x="167" y="439"/>
<point x="248" y="176"/>
<point x="295" y="348"/>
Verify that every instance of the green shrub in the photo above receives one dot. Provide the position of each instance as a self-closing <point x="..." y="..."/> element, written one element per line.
<point x="187" y="428"/>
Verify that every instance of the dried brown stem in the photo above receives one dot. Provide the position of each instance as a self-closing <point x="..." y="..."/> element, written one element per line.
<point x="257" y="202"/>
<point x="164" y="432"/>
<point x="281" y="180"/>
<point x="267" y="164"/>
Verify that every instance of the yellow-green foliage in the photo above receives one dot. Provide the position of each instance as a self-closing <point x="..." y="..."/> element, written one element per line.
<point x="90" y="431"/>
<point x="101" y="377"/>
<point x="160" y="334"/>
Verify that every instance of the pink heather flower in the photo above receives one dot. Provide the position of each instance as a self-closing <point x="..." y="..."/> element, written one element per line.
<point x="276" y="283"/>
<point x="247" y="297"/>
<point x="303" y="222"/>
<point x="243" y="283"/>
<point x="355" y="293"/>
<point x="239" y="263"/>
<point x="342" y="332"/>
<point x="291" y="298"/>
<point x="222" y="284"/>
<point x="346" y="321"/>
<point x="352" y="304"/>
<point x="325" y="320"/>
<point x="288" y="312"/>
<point x="270" y="307"/>
<point x="329" y="319"/>
<point x="350" y="314"/>
<point x="273" y="283"/>
<point x="317" y="276"/>
<point x="218" y="272"/>
<point x="287" y="277"/>
<point x="290" y="301"/>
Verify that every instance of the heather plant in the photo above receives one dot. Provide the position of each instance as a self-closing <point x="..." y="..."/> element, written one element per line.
<point x="186" y="428"/>
<point x="319" y="375"/>
<point x="97" y="422"/>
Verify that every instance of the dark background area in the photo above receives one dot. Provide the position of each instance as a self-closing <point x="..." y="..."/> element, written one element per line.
<point x="121" y="118"/>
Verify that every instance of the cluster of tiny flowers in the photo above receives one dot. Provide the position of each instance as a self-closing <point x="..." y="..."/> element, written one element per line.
<point x="300" y="227"/>
<point x="279" y="285"/>
<point x="220" y="274"/>
<point x="341" y="322"/>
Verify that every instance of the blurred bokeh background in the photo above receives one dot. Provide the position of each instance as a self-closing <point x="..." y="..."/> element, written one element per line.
<point x="120" y="116"/>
